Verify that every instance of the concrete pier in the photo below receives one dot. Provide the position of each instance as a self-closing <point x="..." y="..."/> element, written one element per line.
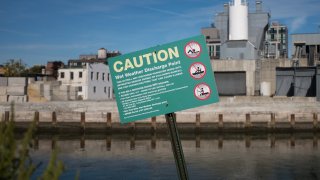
<point x="239" y="113"/>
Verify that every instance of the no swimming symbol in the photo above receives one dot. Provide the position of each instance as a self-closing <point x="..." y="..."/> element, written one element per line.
<point x="192" y="49"/>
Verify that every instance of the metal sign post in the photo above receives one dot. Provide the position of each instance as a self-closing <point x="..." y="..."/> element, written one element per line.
<point x="176" y="147"/>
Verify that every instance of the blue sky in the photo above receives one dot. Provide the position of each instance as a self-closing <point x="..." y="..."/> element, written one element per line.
<point x="38" y="31"/>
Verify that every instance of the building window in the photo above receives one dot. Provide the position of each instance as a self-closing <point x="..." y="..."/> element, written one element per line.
<point x="273" y="37"/>
<point x="272" y="31"/>
<point x="62" y="75"/>
<point x="105" y="90"/>
<point x="102" y="76"/>
<point x="218" y="51"/>
<point x="282" y="30"/>
<point x="94" y="89"/>
<point x="211" y="50"/>
<point x="91" y="75"/>
<point x="80" y="74"/>
<point x="71" y="75"/>
<point x="97" y="76"/>
<point x="80" y="89"/>
<point x="108" y="77"/>
<point x="109" y="92"/>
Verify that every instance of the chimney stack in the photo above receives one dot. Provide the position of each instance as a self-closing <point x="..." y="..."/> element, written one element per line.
<point x="258" y="6"/>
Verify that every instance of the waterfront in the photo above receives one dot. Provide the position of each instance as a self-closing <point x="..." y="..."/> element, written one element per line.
<point x="208" y="156"/>
<point x="244" y="113"/>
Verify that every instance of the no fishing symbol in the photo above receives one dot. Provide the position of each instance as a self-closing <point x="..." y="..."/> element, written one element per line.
<point x="192" y="49"/>
<point x="202" y="91"/>
<point x="197" y="70"/>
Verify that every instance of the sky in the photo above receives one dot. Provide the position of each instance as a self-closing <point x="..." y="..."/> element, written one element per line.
<point x="38" y="31"/>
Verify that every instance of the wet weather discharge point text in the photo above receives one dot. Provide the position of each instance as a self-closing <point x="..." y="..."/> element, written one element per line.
<point x="162" y="80"/>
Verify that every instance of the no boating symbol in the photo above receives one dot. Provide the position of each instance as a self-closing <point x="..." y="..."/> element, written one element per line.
<point x="197" y="70"/>
<point x="192" y="49"/>
<point x="202" y="91"/>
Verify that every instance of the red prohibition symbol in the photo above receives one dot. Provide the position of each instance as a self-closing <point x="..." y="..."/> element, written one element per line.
<point x="192" y="49"/>
<point x="197" y="70"/>
<point x="202" y="91"/>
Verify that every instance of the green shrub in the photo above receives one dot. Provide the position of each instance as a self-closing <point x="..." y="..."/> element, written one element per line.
<point x="15" y="160"/>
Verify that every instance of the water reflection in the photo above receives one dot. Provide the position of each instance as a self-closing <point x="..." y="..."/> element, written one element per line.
<point x="108" y="142"/>
<point x="217" y="156"/>
<point x="132" y="142"/>
<point x="198" y="139"/>
<point x="273" y="140"/>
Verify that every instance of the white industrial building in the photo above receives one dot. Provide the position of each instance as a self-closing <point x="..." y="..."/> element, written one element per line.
<point x="92" y="80"/>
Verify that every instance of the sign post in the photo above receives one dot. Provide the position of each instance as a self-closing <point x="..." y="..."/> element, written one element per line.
<point x="176" y="147"/>
<point x="161" y="80"/>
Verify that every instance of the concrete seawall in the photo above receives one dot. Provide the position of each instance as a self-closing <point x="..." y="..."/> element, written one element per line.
<point x="239" y="113"/>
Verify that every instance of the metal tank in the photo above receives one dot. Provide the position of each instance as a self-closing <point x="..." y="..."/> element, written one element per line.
<point x="102" y="53"/>
<point x="238" y="20"/>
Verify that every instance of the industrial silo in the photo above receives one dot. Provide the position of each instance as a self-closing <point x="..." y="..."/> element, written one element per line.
<point x="238" y="20"/>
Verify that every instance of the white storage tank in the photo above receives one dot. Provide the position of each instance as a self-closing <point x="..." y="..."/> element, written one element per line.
<point x="265" y="88"/>
<point x="238" y="20"/>
<point x="102" y="53"/>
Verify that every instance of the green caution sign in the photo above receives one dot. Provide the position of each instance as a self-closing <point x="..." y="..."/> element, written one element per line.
<point x="163" y="79"/>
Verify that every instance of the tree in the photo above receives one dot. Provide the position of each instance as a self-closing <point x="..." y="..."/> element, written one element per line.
<point x="36" y="69"/>
<point x="15" y="161"/>
<point x="14" y="68"/>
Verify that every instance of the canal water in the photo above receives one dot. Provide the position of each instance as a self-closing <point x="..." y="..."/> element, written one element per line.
<point x="218" y="156"/>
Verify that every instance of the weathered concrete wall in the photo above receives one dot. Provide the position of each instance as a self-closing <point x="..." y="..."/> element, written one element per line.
<point x="268" y="70"/>
<point x="13" y="89"/>
<point x="4" y="98"/>
<point x="3" y="90"/>
<point x="17" y="81"/>
<point x="47" y="91"/>
<point x="234" y="112"/>
<point x="248" y="66"/>
<point x="3" y="81"/>
<point x="41" y="91"/>
<point x="18" y="99"/>
<point x="256" y="72"/>
<point x="35" y="92"/>
<point x="16" y="90"/>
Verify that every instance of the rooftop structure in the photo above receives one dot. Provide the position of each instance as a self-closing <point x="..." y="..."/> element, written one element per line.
<point x="242" y="33"/>
<point x="101" y="57"/>
<point x="306" y="46"/>
<point x="213" y="41"/>
<point x="276" y="45"/>
<point x="52" y="68"/>
<point x="102" y="54"/>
